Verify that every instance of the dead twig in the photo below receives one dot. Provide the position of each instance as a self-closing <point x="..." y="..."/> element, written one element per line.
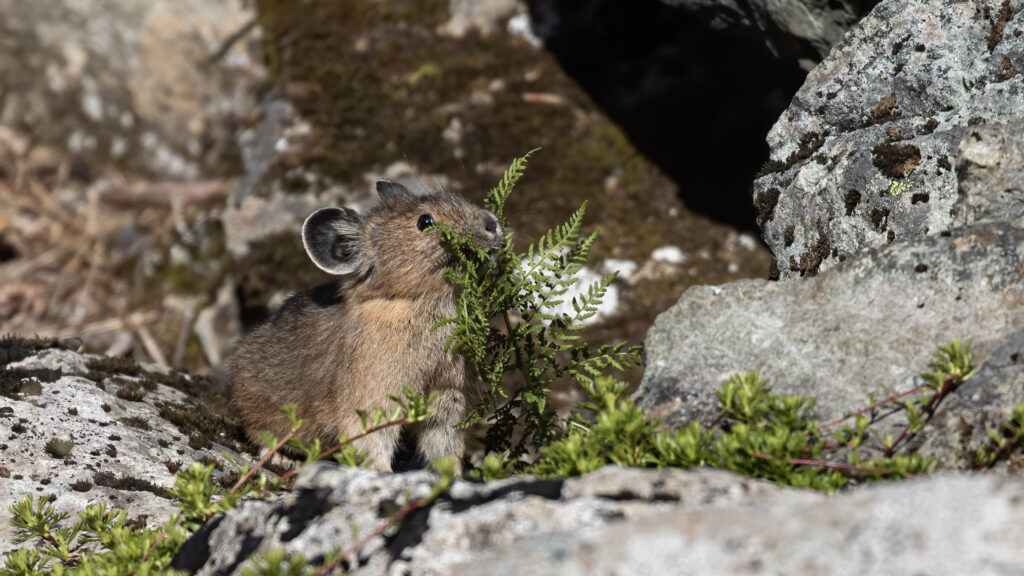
<point x="230" y="41"/>
<point x="149" y="343"/>
<point x="163" y="194"/>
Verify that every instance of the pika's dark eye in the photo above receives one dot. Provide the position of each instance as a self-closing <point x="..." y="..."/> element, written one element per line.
<point x="424" y="221"/>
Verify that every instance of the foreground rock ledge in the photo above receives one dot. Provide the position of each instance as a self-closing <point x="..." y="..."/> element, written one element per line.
<point x="629" y="521"/>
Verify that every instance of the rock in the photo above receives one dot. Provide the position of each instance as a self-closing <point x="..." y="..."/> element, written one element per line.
<point x="939" y="525"/>
<point x="131" y="83"/>
<point x="625" y="521"/>
<point x="484" y="16"/>
<point x="864" y="154"/>
<point x="804" y="30"/>
<point x="864" y="328"/>
<point x="121" y="431"/>
<point x="990" y="175"/>
<point x="218" y="326"/>
<point x="331" y="505"/>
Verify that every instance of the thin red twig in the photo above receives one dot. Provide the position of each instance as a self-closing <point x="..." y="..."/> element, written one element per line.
<point x="341" y="445"/>
<point x="948" y="383"/>
<point x="872" y="407"/>
<point x="159" y="539"/>
<point x="998" y="453"/>
<point x="262" y="461"/>
<point x="825" y="464"/>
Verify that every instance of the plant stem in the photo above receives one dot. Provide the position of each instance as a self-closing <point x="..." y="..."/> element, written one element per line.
<point x="872" y="407"/>
<point x="262" y="461"/>
<point x="948" y="383"/>
<point x="998" y="453"/>
<point x="341" y="445"/>
<point x="825" y="464"/>
<point x="519" y="357"/>
<point x="347" y="555"/>
<point x="159" y="539"/>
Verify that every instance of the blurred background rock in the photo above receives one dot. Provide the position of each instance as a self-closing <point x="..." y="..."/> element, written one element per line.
<point x="157" y="158"/>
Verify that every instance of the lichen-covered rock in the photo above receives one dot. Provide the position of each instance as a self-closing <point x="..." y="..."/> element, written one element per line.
<point x="139" y="84"/>
<point x="89" y="429"/>
<point x="332" y="507"/>
<point x="865" y="328"/>
<point x="865" y="153"/>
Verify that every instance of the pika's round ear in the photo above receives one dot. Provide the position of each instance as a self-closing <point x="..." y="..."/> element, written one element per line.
<point x="388" y="189"/>
<point x="331" y="237"/>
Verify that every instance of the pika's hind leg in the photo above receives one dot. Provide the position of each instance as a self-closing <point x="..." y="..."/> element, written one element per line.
<point x="380" y="447"/>
<point x="436" y="436"/>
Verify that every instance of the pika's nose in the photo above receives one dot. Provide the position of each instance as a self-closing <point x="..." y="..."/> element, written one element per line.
<point x="494" y="230"/>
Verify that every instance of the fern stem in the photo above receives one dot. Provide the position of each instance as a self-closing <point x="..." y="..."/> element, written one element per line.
<point x="515" y="345"/>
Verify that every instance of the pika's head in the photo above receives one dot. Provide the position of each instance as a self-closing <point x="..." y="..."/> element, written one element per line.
<point x="396" y="244"/>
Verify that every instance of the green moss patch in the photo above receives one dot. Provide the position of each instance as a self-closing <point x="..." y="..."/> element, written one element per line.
<point x="109" y="480"/>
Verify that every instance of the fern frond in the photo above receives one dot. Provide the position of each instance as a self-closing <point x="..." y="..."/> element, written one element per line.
<point x="497" y="196"/>
<point x="544" y="345"/>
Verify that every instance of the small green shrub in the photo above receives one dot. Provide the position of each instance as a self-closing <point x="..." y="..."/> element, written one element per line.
<point x="758" y="433"/>
<point x="99" y="542"/>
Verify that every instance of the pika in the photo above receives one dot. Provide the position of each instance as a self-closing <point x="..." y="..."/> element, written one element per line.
<point x="349" y="344"/>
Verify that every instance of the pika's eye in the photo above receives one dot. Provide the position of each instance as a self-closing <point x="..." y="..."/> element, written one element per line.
<point x="425" y="221"/>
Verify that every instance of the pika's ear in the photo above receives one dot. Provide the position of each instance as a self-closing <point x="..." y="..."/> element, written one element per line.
<point x="331" y="237"/>
<point x="388" y="189"/>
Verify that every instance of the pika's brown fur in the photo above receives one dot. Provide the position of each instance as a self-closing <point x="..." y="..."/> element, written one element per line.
<point x="349" y="344"/>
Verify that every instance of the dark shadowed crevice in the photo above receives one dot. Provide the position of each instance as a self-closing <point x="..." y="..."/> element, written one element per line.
<point x="696" y="102"/>
<point x="194" y="553"/>
<point x="306" y="507"/>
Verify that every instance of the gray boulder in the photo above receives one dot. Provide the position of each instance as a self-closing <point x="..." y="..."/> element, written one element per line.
<point x="942" y="526"/>
<point x="865" y="153"/>
<point x="865" y="328"/>
<point x="626" y="521"/>
<point x="332" y="507"/>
